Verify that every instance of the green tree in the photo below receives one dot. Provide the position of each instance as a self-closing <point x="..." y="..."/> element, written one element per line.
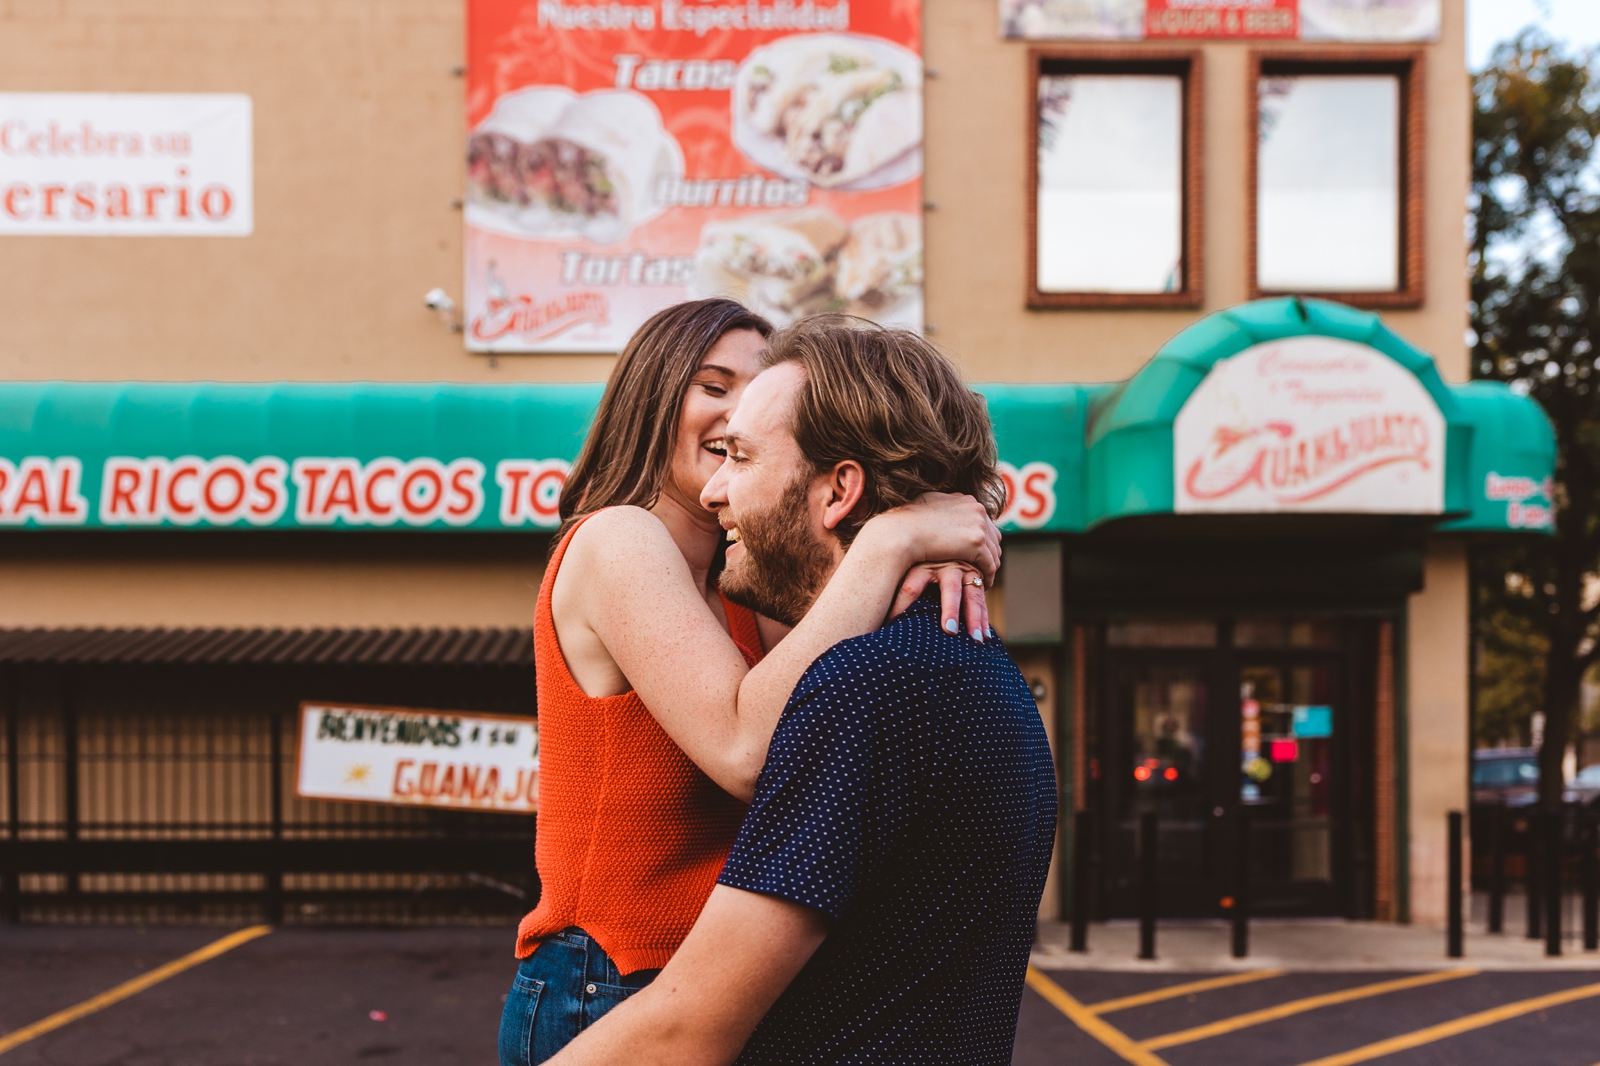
<point x="1511" y="653"/>
<point x="1536" y="315"/>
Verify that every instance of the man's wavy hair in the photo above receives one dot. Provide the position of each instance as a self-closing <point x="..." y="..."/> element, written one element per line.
<point x="892" y="402"/>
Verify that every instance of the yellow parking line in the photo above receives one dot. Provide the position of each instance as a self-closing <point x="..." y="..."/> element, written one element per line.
<point x="130" y="988"/>
<point x="1298" y="1006"/>
<point x="1106" y="1006"/>
<point x="1103" y="1031"/>
<point x="1460" y="1025"/>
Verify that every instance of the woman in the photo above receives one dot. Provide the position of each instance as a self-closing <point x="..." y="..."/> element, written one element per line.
<point x="656" y="702"/>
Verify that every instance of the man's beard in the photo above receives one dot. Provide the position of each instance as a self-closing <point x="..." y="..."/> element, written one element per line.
<point x="784" y="565"/>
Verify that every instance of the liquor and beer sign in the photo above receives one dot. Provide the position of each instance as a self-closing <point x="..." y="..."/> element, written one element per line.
<point x="1307" y="20"/>
<point x="623" y="157"/>
<point x="418" y="758"/>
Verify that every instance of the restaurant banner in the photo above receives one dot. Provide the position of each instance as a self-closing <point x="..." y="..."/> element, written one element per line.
<point x="126" y="164"/>
<point x="625" y="157"/>
<point x="418" y="758"/>
<point x="1307" y="20"/>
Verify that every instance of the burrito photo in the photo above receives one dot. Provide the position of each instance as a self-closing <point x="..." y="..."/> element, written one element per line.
<point x="831" y="109"/>
<point x="586" y="165"/>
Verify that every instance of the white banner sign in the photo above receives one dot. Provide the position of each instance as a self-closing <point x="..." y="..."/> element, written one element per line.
<point x="126" y="164"/>
<point x="1309" y="424"/>
<point x="419" y="758"/>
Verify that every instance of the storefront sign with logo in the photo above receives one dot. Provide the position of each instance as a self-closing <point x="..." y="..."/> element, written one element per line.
<point x="1309" y="20"/>
<point x="419" y="758"/>
<point x="625" y="157"/>
<point x="126" y="164"/>
<point x="1309" y="424"/>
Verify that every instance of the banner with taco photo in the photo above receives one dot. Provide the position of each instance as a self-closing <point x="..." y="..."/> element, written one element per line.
<point x="624" y="157"/>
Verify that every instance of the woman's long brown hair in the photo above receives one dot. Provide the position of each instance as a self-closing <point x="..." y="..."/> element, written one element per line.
<point x="628" y="453"/>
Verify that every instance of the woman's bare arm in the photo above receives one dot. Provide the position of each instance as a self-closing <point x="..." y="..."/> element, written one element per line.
<point x="631" y="591"/>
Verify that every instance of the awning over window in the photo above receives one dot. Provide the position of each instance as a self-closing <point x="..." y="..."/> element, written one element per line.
<point x="1278" y="406"/>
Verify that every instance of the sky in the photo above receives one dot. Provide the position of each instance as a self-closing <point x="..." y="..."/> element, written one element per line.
<point x="1491" y="21"/>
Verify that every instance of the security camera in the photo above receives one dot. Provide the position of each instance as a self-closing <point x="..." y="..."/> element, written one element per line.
<point x="439" y="300"/>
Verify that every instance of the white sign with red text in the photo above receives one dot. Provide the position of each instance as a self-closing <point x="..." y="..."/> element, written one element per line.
<point x="419" y="758"/>
<point x="530" y="491"/>
<point x="385" y="491"/>
<point x="1529" y="502"/>
<point x="1030" y="495"/>
<point x="46" y="490"/>
<point x="1309" y="424"/>
<point x="126" y="164"/>
<point x="225" y="490"/>
<point x="187" y="490"/>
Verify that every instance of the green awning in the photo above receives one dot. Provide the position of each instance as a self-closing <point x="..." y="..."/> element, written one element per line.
<point x="1497" y="447"/>
<point x="1513" y="461"/>
<point x="361" y="456"/>
<point x="492" y="457"/>
<point x="331" y="456"/>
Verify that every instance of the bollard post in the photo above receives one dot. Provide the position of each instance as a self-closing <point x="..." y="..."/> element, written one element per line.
<point x="1591" y="886"/>
<point x="1533" y="870"/>
<point x="1552" y="882"/>
<point x="1080" y="881"/>
<point x="1147" y="885"/>
<point x="1453" y="900"/>
<point x="1497" y="868"/>
<point x="11" y="882"/>
<point x="1241" y="887"/>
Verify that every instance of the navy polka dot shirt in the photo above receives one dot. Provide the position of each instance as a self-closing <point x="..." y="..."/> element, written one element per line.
<point x="909" y="795"/>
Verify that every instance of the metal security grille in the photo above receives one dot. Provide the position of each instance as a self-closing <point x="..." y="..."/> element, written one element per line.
<point x="156" y="784"/>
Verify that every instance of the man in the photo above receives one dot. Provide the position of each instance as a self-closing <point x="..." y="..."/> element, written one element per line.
<point x="878" y="906"/>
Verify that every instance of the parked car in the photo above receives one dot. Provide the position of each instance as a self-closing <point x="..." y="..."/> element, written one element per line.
<point x="1585" y="788"/>
<point x="1505" y="775"/>
<point x="1511" y="776"/>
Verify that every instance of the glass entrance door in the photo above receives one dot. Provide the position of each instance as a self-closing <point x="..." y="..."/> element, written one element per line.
<point x="1287" y="780"/>
<point x="1167" y="720"/>
<point x="1203" y="721"/>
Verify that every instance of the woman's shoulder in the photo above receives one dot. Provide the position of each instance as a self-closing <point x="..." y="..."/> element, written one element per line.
<point x="610" y="532"/>
<point x="624" y="520"/>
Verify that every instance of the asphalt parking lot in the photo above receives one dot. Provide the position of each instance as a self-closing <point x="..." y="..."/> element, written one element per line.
<point x="1451" y="1018"/>
<point x="298" y="997"/>
<point x="432" y="996"/>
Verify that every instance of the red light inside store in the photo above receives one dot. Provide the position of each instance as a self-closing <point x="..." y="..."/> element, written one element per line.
<point x="1285" y="750"/>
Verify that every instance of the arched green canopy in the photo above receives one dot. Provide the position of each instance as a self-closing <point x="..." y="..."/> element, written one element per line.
<point x="1129" y="437"/>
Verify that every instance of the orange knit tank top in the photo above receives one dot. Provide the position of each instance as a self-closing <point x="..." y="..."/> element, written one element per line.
<point x="632" y="835"/>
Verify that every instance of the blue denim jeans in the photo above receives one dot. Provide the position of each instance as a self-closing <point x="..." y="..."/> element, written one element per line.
<point x="560" y="990"/>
